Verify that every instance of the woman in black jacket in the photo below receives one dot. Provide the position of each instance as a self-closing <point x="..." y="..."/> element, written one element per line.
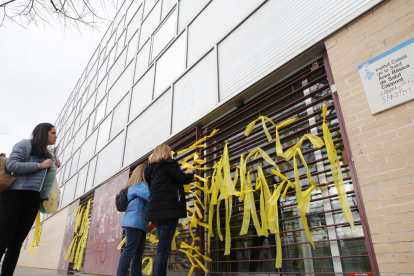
<point x="166" y="201"/>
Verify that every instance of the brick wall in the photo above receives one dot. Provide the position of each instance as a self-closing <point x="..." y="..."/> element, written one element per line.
<point x="382" y="145"/>
<point x="48" y="252"/>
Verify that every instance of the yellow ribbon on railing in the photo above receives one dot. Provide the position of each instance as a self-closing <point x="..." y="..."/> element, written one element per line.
<point x="336" y="170"/>
<point x="189" y="253"/>
<point x="299" y="199"/>
<point x="36" y="237"/>
<point x="197" y="144"/>
<point x="279" y="149"/>
<point x="84" y="238"/>
<point x="265" y="196"/>
<point x="274" y="216"/>
<point x="173" y="243"/>
<point x="249" y="209"/>
<point x="265" y="156"/>
<point x="148" y="268"/>
<point x="315" y="140"/>
<point x="82" y="221"/>
<point x="121" y="244"/>
<point x="285" y="179"/>
<point x="152" y="238"/>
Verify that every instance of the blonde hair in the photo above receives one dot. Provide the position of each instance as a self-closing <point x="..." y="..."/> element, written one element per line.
<point x="137" y="176"/>
<point x="161" y="152"/>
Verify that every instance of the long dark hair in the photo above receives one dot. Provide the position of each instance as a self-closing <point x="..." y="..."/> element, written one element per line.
<point x="39" y="140"/>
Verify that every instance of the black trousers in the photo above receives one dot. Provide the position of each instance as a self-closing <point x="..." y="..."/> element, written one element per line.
<point x="18" y="210"/>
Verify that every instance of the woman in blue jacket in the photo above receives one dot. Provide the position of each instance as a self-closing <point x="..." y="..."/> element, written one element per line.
<point x="19" y="204"/>
<point x="135" y="224"/>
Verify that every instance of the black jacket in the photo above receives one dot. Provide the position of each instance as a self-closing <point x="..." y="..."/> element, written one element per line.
<point x="167" y="199"/>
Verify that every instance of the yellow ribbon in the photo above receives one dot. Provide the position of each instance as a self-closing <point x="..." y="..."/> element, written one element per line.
<point x="197" y="144"/>
<point x="299" y="199"/>
<point x="336" y="170"/>
<point x="279" y="149"/>
<point x="266" y="157"/>
<point x="121" y="244"/>
<point x="148" y="268"/>
<point x="36" y="238"/>
<point x="315" y="140"/>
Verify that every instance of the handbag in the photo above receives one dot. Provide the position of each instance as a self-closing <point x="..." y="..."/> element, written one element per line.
<point x="6" y="178"/>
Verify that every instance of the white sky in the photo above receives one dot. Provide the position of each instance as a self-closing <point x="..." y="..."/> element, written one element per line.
<point x="39" y="68"/>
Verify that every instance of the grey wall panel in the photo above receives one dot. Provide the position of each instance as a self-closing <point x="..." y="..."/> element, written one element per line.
<point x="119" y="117"/>
<point x="195" y="94"/>
<point x="264" y="41"/>
<point x="109" y="160"/>
<point x="150" y="24"/>
<point x="170" y="65"/>
<point x="150" y="129"/>
<point x="164" y="35"/>
<point x="103" y="135"/>
<point x="188" y="10"/>
<point x="120" y="88"/>
<point x="142" y="94"/>
<point x="216" y="20"/>
<point x="80" y="136"/>
<point x="88" y="149"/>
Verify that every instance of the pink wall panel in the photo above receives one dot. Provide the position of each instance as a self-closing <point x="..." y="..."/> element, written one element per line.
<point x="105" y="231"/>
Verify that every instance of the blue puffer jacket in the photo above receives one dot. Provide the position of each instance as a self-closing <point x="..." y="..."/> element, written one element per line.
<point x="137" y="209"/>
<point x="30" y="177"/>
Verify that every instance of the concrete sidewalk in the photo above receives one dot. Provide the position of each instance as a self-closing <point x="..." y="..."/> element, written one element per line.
<point x="28" y="271"/>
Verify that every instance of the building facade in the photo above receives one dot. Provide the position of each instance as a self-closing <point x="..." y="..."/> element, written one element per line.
<point x="171" y="71"/>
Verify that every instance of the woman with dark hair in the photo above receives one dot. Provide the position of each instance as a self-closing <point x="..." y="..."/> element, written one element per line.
<point x="19" y="204"/>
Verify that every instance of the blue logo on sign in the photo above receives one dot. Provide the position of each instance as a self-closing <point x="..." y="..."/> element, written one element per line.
<point x="368" y="75"/>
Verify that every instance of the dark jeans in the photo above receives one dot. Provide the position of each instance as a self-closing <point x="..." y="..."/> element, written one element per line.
<point x="166" y="230"/>
<point x="134" y="248"/>
<point x="18" y="210"/>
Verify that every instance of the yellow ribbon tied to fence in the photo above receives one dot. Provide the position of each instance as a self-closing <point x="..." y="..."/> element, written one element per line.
<point x="197" y="144"/>
<point x="36" y="237"/>
<point x="299" y="199"/>
<point x="121" y="244"/>
<point x="279" y="149"/>
<point x="336" y="170"/>
<point x="148" y="268"/>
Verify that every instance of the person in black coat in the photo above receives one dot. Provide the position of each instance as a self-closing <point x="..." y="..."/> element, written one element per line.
<point x="166" y="201"/>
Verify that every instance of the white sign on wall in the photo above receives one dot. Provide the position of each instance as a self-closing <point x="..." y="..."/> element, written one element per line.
<point x="388" y="79"/>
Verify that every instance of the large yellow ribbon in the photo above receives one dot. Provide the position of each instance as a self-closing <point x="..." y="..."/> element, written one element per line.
<point x="81" y="233"/>
<point x="148" y="268"/>
<point x="197" y="144"/>
<point x="299" y="199"/>
<point x="36" y="237"/>
<point x="121" y="244"/>
<point x="279" y="149"/>
<point x="336" y="170"/>
<point x="274" y="216"/>
<point x="265" y="156"/>
<point x="315" y="140"/>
